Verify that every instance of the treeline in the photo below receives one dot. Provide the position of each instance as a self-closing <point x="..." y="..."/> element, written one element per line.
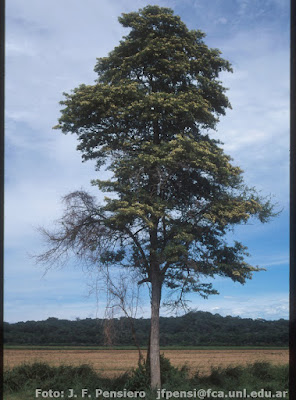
<point x="193" y="329"/>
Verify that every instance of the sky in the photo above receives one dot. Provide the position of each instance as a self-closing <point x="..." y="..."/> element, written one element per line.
<point x="51" y="48"/>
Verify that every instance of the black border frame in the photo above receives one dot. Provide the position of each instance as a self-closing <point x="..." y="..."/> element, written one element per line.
<point x="292" y="330"/>
<point x="2" y="92"/>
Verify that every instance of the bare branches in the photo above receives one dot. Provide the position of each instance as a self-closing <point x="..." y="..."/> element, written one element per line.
<point x="80" y="231"/>
<point x="84" y="232"/>
<point x="123" y="296"/>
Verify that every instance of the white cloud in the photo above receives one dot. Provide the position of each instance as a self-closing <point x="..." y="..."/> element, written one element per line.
<point x="20" y="311"/>
<point x="256" y="131"/>
<point x="222" y="20"/>
<point x="270" y="306"/>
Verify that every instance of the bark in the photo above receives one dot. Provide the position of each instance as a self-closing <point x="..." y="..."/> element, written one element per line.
<point x="154" y="353"/>
<point x="156" y="283"/>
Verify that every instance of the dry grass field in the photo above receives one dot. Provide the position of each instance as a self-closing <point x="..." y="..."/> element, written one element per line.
<point x="114" y="362"/>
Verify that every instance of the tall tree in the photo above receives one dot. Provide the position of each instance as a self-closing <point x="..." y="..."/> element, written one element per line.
<point x="148" y="117"/>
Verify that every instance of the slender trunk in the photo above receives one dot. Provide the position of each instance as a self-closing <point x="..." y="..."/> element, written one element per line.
<point x="154" y="354"/>
<point x="156" y="281"/>
<point x="141" y="358"/>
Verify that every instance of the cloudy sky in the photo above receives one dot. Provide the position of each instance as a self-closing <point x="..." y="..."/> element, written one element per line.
<point x="51" y="47"/>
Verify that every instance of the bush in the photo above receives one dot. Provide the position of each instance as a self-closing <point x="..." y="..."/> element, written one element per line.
<point x="260" y="375"/>
<point x="139" y="378"/>
<point x="32" y="376"/>
<point x="24" y="379"/>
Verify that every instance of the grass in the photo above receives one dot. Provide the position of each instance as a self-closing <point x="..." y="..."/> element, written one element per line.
<point x="21" y="382"/>
<point x="110" y="363"/>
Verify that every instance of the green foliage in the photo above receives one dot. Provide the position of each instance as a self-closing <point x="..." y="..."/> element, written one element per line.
<point x="26" y="378"/>
<point x="193" y="329"/>
<point x="148" y="116"/>
<point x="139" y="379"/>
<point x="170" y="376"/>
<point x="251" y="377"/>
<point x="36" y="375"/>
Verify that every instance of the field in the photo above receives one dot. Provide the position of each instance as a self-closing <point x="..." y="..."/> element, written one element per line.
<point x="110" y="363"/>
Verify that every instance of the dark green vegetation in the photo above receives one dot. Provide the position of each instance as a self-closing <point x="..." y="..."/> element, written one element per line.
<point x="192" y="329"/>
<point x="21" y="382"/>
<point x="83" y="348"/>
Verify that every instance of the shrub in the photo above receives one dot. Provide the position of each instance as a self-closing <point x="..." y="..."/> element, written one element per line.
<point x="24" y="379"/>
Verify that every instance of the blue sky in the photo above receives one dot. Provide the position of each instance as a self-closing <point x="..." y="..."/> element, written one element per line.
<point x="51" y="47"/>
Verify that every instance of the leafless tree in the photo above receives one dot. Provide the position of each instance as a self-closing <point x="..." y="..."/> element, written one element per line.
<point x="81" y="233"/>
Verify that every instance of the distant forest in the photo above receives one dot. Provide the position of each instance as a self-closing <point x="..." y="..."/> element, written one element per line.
<point x="193" y="329"/>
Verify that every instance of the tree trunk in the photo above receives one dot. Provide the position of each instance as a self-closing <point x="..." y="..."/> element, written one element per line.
<point x="154" y="354"/>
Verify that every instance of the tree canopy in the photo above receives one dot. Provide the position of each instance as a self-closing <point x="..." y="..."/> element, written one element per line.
<point x="193" y="329"/>
<point x="148" y="118"/>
